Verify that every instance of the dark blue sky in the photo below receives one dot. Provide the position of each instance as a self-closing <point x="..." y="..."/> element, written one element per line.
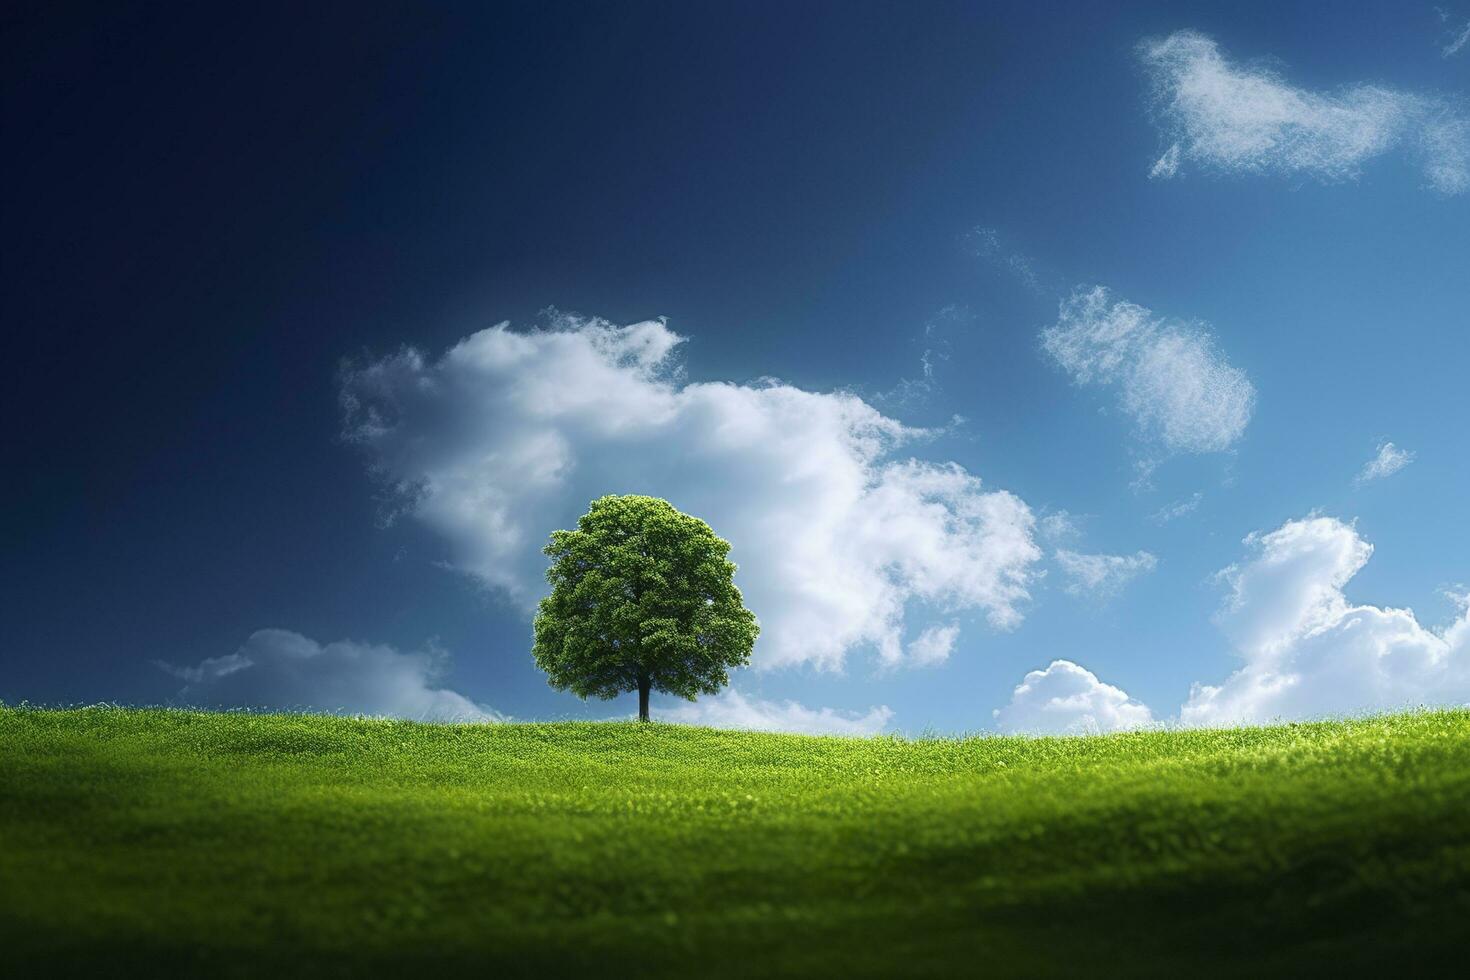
<point x="207" y="209"/>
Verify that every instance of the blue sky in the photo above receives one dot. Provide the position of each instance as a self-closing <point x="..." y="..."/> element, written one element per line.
<point x="252" y="259"/>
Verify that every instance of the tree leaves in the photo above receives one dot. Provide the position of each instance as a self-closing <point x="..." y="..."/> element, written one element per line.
<point x="639" y="591"/>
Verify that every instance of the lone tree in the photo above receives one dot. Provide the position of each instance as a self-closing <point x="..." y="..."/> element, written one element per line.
<point x="642" y="598"/>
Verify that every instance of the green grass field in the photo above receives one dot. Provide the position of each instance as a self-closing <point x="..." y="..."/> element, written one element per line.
<point x="167" y="842"/>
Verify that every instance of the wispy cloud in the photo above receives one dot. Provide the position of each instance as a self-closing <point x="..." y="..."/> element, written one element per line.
<point x="282" y="670"/>
<point x="1178" y="509"/>
<point x="1230" y="117"/>
<point x="1388" y="461"/>
<point x="1453" y="48"/>
<point x="1457" y="37"/>
<point x="1167" y="165"/>
<point x="731" y="709"/>
<point x="1058" y="526"/>
<point x="1172" y="379"/>
<point x="1102" y="576"/>
<point x="935" y="341"/>
<point x="988" y="244"/>
<point x="1066" y="699"/>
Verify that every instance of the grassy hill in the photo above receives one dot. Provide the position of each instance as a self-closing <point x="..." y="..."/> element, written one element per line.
<point x="168" y="842"/>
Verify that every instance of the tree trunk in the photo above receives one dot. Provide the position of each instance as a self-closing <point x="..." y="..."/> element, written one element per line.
<point x="643" y="686"/>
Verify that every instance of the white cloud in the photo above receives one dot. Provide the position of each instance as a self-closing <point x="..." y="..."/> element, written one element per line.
<point x="731" y="709"/>
<point x="1458" y="38"/>
<point x="1102" y="575"/>
<point x="841" y="542"/>
<point x="1065" y="699"/>
<point x="279" y="669"/>
<point x="1143" y="473"/>
<point x="1173" y="382"/>
<point x="1230" y="117"/>
<point x="1309" y="652"/>
<point x="1058" y="526"/>
<point x="1389" y="460"/>
<point x="934" y="645"/>
<point x="987" y="244"/>
<point x="1178" y="509"/>
<point x="1167" y="165"/>
<point x="914" y="391"/>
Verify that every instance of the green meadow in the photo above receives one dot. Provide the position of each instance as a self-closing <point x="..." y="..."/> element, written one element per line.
<point x="160" y="842"/>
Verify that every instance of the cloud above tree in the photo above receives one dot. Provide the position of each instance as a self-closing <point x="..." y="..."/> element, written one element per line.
<point x="843" y="540"/>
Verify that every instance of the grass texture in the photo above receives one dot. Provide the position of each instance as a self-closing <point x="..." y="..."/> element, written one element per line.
<point x="162" y="843"/>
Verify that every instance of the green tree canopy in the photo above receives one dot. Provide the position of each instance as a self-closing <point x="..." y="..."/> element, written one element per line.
<point x="642" y="598"/>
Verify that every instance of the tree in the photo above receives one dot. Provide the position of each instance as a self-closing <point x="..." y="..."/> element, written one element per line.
<point x="643" y="598"/>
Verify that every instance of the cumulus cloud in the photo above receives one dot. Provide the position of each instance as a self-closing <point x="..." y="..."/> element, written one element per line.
<point x="1065" y="699"/>
<point x="1234" y="118"/>
<point x="1389" y="460"/>
<point x="1308" y="651"/>
<point x="731" y="709"/>
<point x="1172" y="380"/>
<point x="841" y="541"/>
<point x="1102" y="576"/>
<point x="279" y="669"/>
